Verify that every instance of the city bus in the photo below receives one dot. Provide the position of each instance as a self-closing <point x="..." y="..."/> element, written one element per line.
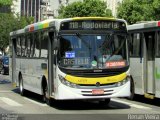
<point x="144" y="49"/>
<point x="79" y="58"/>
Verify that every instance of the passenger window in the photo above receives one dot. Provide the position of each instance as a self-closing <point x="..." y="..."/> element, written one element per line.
<point x="18" y="46"/>
<point x="44" y="44"/>
<point x="32" y="45"/>
<point x="23" y="46"/>
<point x="135" y="45"/>
<point x="158" y="45"/>
<point x="37" y="46"/>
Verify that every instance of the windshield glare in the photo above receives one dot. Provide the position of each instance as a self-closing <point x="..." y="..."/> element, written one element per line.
<point x="93" y="51"/>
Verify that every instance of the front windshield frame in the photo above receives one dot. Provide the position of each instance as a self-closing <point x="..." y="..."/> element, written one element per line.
<point x="93" y="34"/>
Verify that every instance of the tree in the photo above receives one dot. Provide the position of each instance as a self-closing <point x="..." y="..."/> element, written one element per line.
<point x="5" y="2"/>
<point x="84" y="9"/>
<point x="138" y="10"/>
<point x="8" y="23"/>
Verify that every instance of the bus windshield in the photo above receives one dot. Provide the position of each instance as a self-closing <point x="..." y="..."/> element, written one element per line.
<point x="93" y="51"/>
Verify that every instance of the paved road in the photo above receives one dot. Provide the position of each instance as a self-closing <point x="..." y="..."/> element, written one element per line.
<point x="13" y="105"/>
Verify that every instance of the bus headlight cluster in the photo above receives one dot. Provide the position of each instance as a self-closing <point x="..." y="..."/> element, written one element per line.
<point x="122" y="82"/>
<point x="67" y="83"/>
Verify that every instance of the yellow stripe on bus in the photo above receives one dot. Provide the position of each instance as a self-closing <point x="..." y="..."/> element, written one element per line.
<point x="93" y="18"/>
<point x="101" y="80"/>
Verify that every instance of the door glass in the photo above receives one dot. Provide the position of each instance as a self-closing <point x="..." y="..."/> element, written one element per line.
<point x="150" y="43"/>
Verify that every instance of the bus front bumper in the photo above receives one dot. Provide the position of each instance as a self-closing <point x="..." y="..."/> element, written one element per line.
<point x="67" y="93"/>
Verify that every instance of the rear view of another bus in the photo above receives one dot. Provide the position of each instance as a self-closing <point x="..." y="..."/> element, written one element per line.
<point x="144" y="58"/>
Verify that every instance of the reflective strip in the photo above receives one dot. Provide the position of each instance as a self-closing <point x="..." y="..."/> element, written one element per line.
<point x="101" y="80"/>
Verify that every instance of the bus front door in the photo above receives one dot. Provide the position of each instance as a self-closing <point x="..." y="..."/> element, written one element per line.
<point x="149" y="62"/>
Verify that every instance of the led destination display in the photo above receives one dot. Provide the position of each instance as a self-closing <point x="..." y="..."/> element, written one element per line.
<point x="93" y="25"/>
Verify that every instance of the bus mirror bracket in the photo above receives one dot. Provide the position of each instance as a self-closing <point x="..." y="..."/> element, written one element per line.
<point x="56" y="43"/>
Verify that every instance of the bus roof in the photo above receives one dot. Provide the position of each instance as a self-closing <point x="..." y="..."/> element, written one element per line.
<point x="151" y="24"/>
<point x="53" y="22"/>
<point x="20" y="31"/>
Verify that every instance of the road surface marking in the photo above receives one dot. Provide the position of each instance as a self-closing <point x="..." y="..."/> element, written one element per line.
<point x="131" y="104"/>
<point x="38" y="103"/>
<point x="10" y="101"/>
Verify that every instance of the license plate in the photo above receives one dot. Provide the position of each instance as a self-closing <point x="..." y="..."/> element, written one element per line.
<point x="97" y="92"/>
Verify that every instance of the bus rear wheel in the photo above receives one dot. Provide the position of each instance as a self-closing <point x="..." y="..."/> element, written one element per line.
<point x="21" y="88"/>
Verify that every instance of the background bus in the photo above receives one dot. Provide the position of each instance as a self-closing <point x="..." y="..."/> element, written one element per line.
<point x="74" y="58"/>
<point x="145" y="58"/>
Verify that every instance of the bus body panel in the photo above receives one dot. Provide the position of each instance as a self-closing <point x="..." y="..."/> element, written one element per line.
<point x="157" y="77"/>
<point x="136" y="72"/>
<point x="32" y="73"/>
<point x="150" y="58"/>
<point x="65" y="92"/>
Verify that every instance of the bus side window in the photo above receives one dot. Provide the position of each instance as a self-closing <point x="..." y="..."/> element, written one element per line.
<point x="23" y="46"/>
<point x="28" y="45"/>
<point x="18" y="46"/>
<point x="135" y="43"/>
<point x="37" y="45"/>
<point x="32" y="44"/>
<point x="44" y="44"/>
<point x="158" y="45"/>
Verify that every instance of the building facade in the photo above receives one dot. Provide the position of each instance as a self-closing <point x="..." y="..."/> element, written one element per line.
<point x="45" y="9"/>
<point x="112" y="5"/>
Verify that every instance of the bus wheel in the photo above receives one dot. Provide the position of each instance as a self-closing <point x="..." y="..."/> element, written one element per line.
<point x="21" y="88"/>
<point x="105" y="101"/>
<point x="132" y="90"/>
<point x="45" y="96"/>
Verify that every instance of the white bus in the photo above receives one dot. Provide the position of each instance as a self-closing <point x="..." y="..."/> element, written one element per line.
<point x="145" y="58"/>
<point x="73" y="58"/>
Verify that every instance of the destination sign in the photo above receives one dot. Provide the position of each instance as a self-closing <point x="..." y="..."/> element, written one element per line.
<point x="93" y="25"/>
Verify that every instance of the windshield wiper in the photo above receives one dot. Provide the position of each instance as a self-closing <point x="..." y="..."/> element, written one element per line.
<point x="116" y="51"/>
<point x="107" y="41"/>
<point x="80" y="38"/>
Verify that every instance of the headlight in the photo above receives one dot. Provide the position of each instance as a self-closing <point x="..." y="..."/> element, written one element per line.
<point x="122" y="82"/>
<point x="67" y="83"/>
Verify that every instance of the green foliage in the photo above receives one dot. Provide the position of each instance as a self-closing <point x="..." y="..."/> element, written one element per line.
<point x="5" y="2"/>
<point x="85" y="9"/>
<point x="139" y="10"/>
<point x="8" y="23"/>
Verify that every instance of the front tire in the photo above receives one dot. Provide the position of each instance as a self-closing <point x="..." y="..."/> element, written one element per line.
<point x="46" y="96"/>
<point x="132" y="90"/>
